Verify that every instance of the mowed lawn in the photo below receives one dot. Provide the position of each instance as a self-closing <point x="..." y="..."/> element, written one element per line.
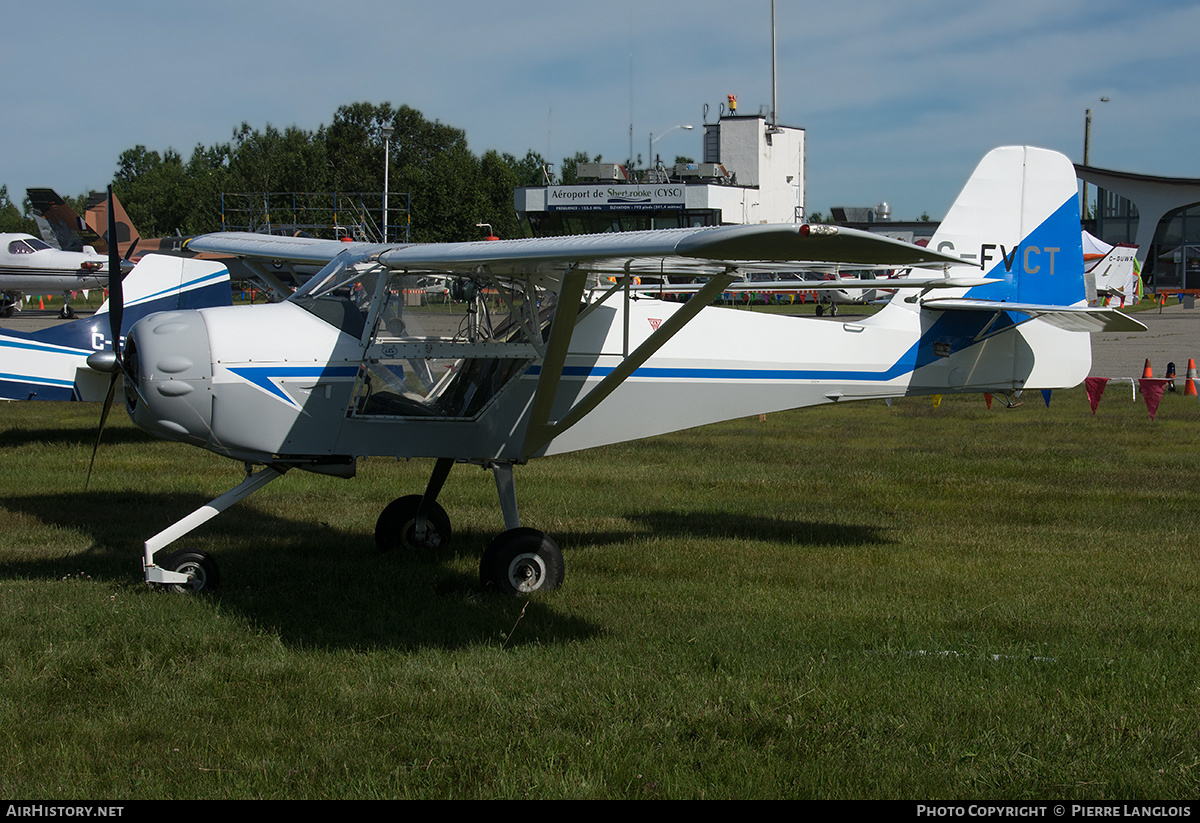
<point x="920" y="602"/>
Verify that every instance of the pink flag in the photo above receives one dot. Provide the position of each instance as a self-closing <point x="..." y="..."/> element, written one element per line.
<point x="1095" y="390"/>
<point x="1152" y="391"/>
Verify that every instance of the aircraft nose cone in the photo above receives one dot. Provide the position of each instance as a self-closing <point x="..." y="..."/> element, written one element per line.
<point x="170" y="370"/>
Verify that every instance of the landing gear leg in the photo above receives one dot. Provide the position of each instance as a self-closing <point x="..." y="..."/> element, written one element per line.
<point x="189" y="571"/>
<point x="521" y="560"/>
<point x="417" y="521"/>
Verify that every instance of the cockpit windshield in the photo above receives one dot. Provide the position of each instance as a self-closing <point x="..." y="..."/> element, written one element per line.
<point x="436" y="344"/>
<point x="27" y="246"/>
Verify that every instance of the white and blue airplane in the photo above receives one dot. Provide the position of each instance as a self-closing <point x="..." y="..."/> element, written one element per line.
<point x="51" y="364"/>
<point x="547" y="356"/>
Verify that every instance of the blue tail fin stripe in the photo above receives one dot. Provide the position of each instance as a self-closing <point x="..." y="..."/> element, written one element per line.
<point x="1047" y="266"/>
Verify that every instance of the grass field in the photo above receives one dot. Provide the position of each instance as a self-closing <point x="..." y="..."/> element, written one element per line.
<point x="853" y="602"/>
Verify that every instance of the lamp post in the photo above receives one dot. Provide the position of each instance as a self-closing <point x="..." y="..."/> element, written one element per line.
<point x="387" y="132"/>
<point x="1087" y="139"/>
<point x="653" y="140"/>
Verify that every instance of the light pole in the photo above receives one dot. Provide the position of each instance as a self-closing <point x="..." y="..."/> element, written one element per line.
<point x="1087" y="139"/>
<point x="387" y="132"/>
<point x="650" y="146"/>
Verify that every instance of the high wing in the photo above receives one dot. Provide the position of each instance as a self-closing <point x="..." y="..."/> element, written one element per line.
<point x="697" y="252"/>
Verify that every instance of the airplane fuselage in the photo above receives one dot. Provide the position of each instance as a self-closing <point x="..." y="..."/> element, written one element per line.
<point x="29" y="266"/>
<point x="297" y="382"/>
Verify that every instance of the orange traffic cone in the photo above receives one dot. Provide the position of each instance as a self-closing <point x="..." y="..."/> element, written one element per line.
<point x="1189" y="382"/>
<point x="1147" y="372"/>
<point x="41" y="305"/>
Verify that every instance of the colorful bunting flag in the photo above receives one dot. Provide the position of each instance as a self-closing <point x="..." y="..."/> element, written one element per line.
<point x="1095" y="390"/>
<point x="1152" y="392"/>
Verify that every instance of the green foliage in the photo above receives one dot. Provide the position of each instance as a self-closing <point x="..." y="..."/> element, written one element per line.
<point x="11" y="219"/>
<point x="452" y="189"/>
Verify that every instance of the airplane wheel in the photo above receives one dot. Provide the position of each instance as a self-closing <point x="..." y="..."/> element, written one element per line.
<point x="7" y="311"/>
<point x="66" y="313"/>
<point x="820" y="310"/>
<point x="397" y="525"/>
<point x="201" y="569"/>
<point x="522" y="561"/>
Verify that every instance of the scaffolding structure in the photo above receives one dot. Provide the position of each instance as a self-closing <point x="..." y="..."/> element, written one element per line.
<point x="330" y="215"/>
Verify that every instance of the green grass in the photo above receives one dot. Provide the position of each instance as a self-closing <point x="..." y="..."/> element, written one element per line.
<point x="915" y="602"/>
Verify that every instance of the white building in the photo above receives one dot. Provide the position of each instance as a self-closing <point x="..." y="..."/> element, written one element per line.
<point x="752" y="172"/>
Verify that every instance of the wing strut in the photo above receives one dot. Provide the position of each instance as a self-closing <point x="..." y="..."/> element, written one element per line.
<point x="541" y="431"/>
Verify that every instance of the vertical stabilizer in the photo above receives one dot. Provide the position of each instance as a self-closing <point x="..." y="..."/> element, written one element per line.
<point x="1018" y="219"/>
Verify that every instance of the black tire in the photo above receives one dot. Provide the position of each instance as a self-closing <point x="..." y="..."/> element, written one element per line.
<point x="520" y="562"/>
<point x="397" y="524"/>
<point x="198" y="566"/>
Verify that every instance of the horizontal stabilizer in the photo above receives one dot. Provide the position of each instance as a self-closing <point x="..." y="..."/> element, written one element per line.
<point x="825" y="285"/>
<point x="1069" y="318"/>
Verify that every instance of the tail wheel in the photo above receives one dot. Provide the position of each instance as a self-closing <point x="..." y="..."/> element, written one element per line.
<point x="396" y="527"/>
<point x="201" y="569"/>
<point x="522" y="561"/>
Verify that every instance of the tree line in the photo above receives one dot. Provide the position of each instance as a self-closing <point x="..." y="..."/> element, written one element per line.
<point x="451" y="189"/>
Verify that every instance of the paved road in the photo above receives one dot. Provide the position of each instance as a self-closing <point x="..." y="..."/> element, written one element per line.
<point x="1173" y="336"/>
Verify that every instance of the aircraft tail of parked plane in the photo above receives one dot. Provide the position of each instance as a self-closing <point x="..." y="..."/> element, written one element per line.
<point x="63" y="228"/>
<point x="60" y="225"/>
<point x="1114" y="271"/>
<point x="546" y="355"/>
<point x="50" y="364"/>
<point x="96" y="218"/>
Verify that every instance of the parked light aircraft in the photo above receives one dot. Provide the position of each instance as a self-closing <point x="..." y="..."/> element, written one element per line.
<point x="29" y="266"/>
<point x="51" y="364"/>
<point x="1114" y="269"/>
<point x="547" y="357"/>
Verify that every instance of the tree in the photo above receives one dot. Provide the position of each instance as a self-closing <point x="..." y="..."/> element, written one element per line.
<point x="152" y="189"/>
<point x="451" y="189"/>
<point x="11" y="218"/>
<point x="567" y="174"/>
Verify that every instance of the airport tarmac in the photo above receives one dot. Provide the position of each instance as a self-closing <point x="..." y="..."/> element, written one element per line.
<point x="1172" y="336"/>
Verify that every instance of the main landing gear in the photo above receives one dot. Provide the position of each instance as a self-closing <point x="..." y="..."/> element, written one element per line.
<point x="519" y="561"/>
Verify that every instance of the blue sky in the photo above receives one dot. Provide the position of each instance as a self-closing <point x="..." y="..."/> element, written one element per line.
<point x="899" y="100"/>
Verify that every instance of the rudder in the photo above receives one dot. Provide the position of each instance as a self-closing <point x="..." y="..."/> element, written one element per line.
<point x="1018" y="219"/>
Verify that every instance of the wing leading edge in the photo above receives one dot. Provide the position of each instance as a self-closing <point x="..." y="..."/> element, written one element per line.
<point x="696" y="251"/>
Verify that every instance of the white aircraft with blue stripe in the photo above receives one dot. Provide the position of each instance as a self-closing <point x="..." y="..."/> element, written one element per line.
<point x="554" y="349"/>
<point x="51" y="364"/>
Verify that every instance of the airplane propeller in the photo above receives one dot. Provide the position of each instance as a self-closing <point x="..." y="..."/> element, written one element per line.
<point x="110" y="361"/>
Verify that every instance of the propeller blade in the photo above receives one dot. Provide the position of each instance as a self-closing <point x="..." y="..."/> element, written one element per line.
<point x="108" y="401"/>
<point x="116" y="308"/>
<point x="116" y="302"/>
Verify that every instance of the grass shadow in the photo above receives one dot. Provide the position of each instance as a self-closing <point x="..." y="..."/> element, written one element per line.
<point x="313" y="584"/>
